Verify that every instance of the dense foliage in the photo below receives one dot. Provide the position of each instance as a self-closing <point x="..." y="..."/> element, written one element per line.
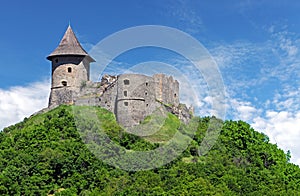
<point x="46" y="155"/>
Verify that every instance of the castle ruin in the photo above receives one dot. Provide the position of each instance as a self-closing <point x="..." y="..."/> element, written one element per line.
<point x="131" y="97"/>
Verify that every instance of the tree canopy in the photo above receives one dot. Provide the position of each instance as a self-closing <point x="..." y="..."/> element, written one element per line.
<point x="47" y="155"/>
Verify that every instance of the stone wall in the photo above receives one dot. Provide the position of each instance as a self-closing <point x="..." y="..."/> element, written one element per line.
<point x="131" y="97"/>
<point x="167" y="89"/>
<point x="135" y="98"/>
<point x="61" y="95"/>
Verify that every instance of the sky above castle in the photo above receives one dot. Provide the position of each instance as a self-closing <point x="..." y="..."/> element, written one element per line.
<point x="254" y="43"/>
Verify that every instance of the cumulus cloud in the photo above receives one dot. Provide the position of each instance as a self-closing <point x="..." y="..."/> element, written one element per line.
<point x="243" y="110"/>
<point x="283" y="128"/>
<point x="19" y="102"/>
<point x="259" y="80"/>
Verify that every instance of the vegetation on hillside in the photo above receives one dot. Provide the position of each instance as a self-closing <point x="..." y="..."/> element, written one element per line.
<point x="47" y="155"/>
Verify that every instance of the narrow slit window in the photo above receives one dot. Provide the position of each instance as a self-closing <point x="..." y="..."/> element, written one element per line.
<point x="125" y="93"/>
<point x="69" y="69"/>
<point x="147" y="84"/>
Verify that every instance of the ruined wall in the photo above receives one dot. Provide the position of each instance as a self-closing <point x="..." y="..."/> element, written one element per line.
<point x="166" y="89"/>
<point x="135" y="98"/>
<point x="131" y="97"/>
<point x="62" y="95"/>
<point x="88" y="94"/>
<point x="102" y="93"/>
<point x="108" y="98"/>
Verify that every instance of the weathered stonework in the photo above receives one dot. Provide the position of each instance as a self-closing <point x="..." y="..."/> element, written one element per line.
<point x="68" y="74"/>
<point x="131" y="97"/>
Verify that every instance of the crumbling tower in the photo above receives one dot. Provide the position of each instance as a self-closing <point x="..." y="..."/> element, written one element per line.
<point x="70" y="69"/>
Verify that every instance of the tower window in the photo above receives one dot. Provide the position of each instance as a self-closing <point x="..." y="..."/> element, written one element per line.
<point x="126" y="82"/>
<point x="175" y="95"/>
<point x="64" y="83"/>
<point x="126" y="103"/>
<point x="69" y="69"/>
<point x="125" y="93"/>
<point x="146" y="93"/>
<point x="147" y="84"/>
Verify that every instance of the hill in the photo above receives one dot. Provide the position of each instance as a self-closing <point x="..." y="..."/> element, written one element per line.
<point x="46" y="155"/>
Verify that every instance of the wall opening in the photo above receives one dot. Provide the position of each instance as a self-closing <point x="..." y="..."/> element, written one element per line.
<point x="126" y="103"/>
<point x="147" y="84"/>
<point x="125" y="93"/>
<point x="175" y="95"/>
<point x="146" y="93"/>
<point x="64" y="83"/>
<point x="126" y="82"/>
<point x="147" y="105"/>
<point x="69" y="69"/>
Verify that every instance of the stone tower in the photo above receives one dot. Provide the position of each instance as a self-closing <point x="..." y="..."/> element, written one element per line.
<point x="70" y="69"/>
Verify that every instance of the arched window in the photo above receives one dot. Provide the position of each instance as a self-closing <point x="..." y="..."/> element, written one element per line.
<point x="125" y="93"/>
<point x="64" y="83"/>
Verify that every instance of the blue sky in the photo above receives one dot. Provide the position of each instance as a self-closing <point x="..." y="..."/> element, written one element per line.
<point x="255" y="44"/>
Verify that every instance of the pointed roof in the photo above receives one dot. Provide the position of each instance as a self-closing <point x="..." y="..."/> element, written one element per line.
<point x="69" y="45"/>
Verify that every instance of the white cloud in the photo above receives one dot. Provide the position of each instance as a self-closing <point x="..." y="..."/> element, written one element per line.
<point x="19" y="102"/>
<point x="187" y="16"/>
<point x="267" y="71"/>
<point x="278" y="118"/>
<point x="288" y="99"/>
<point x="242" y="110"/>
<point x="276" y="58"/>
<point x="237" y="52"/>
<point x="283" y="128"/>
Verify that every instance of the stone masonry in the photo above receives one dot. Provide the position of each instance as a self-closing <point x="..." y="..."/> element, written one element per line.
<point x="131" y="97"/>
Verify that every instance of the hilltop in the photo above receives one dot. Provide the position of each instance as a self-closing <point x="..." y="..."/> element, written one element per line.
<point x="45" y="155"/>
